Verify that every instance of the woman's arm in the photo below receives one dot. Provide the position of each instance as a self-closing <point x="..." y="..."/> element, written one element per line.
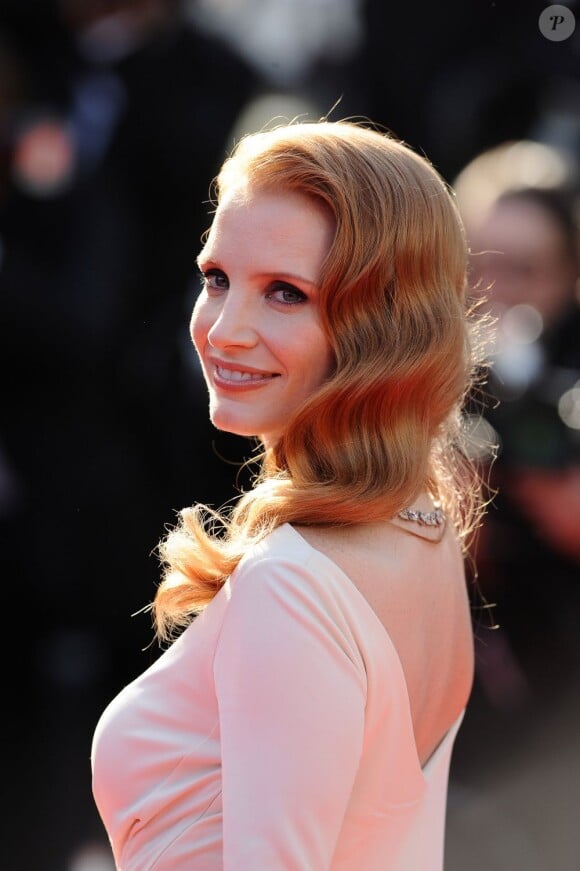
<point x="291" y="698"/>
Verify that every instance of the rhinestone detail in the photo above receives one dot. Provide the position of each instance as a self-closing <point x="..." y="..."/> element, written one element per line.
<point x="425" y="518"/>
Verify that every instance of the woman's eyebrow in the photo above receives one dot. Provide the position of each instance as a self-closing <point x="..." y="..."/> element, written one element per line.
<point x="275" y="273"/>
<point x="286" y="276"/>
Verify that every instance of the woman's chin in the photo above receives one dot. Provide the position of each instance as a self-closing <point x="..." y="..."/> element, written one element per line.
<point x="226" y="423"/>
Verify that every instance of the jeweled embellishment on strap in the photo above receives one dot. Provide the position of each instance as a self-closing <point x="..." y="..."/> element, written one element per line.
<point x="426" y="518"/>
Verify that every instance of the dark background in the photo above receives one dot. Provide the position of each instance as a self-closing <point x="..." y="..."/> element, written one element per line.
<point x="109" y="137"/>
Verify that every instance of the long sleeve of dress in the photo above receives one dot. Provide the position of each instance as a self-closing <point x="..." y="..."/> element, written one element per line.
<point x="291" y="695"/>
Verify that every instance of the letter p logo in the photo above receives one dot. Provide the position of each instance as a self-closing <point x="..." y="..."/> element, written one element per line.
<point x="557" y="23"/>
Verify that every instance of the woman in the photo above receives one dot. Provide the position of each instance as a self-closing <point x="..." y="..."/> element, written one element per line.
<point x="305" y="718"/>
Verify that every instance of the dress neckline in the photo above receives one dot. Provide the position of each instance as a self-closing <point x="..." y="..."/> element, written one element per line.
<point x="349" y="583"/>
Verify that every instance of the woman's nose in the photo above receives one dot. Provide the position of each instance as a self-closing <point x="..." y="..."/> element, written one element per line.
<point x="235" y="324"/>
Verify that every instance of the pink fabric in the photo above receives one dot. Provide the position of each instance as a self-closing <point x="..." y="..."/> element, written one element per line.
<point x="274" y="734"/>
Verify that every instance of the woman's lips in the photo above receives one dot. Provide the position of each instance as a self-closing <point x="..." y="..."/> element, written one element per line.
<point x="240" y="379"/>
<point x="242" y="374"/>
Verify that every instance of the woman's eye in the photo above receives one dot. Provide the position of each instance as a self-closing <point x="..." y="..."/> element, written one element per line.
<point x="214" y="279"/>
<point x="287" y="294"/>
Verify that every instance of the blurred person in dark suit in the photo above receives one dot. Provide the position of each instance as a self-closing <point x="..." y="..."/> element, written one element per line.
<point x="116" y="116"/>
<point x="106" y="164"/>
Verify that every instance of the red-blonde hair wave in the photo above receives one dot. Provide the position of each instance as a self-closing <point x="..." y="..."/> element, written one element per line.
<point x="386" y="424"/>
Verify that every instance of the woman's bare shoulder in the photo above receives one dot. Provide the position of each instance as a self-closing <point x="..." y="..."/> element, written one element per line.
<point x="386" y="539"/>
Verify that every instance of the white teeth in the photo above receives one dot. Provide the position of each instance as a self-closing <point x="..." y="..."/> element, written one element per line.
<point x="239" y="375"/>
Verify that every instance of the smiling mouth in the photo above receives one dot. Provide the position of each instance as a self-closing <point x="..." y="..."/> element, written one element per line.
<point x="239" y="375"/>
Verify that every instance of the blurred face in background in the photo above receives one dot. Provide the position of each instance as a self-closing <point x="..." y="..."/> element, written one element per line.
<point x="525" y="259"/>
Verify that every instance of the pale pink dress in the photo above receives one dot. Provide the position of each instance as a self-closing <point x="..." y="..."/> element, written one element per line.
<point x="274" y="735"/>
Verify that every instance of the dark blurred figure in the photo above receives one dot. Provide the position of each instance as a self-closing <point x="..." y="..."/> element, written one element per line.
<point x="526" y="261"/>
<point x="113" y="115"/>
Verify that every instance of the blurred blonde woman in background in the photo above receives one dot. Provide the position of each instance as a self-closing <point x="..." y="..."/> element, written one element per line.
<point x="305" y="715"/>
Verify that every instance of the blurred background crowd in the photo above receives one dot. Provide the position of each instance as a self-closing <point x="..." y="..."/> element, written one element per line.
<point x="114" y="117"/>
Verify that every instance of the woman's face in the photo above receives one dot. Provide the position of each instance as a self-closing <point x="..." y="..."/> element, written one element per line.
<point x="256" y="324"/>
